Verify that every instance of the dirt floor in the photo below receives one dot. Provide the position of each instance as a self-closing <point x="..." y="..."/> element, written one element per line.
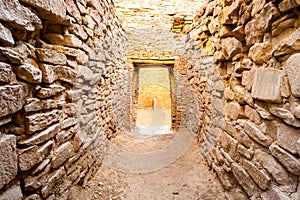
<point x="188" y="178"/>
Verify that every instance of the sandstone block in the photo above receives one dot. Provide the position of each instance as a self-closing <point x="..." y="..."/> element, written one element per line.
<point x="285" y="115"/>
<point x="266" y="85"/>
<point x="290" y="162"/>
<point x="273" y="167"/>
<point x="244" y="179"/>
<point x="34" y="104"/>
<point x="261" y="52"/>
<point x="41" y="121"/>
<point x="287" y="137"/>
<point x="77" y="30"/>
<point x="292" y="68"/>
<point x="55" y="179"/>
<point x="234" y="110"/>
<point x="11" y="99"/>
<point x="71" y="40"/>
<point x="8" y="159"/>
<point x="18" y="16"/>
<point x="287" y="5"/>
<point x="231" y="47"/>
<point x="53" y="10"/>
<point x="29" y="73"/>
<point x="52" y="73"/>
<point x="260" y="177"/>
<point x="61" y="154"/>
<point x="6" y="36"/>
<point x="13" y="56"/>
<point x="72" y="9"/>
<point x="288" y="45"/>
<point x="14" y="192"/>
<point x="267" y="16"/>
<point x="53" y="90"/>
<point x="51" y="56"/>
<point x="5" y="73"/>
<point x="41" y="137"/>
<point x="257" y="6"/>
<point x="32" y="155"/>
<point x="252" y="32"/>
<point x="256" y="134"/>
<point x="252" y="114"/>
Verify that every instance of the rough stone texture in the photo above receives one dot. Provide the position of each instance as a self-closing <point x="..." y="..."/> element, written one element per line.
<point x="12" y="193"/>
<point x="254" y="132"/>
<point x="244" y="179"/>
<point x="29" y="73"/>
<point x="260" y="53"/>
<point x="53" y="10"/>
<point x="291" y="163"/>
<point x="38" y="74"/>
<point x="18" y="16"/>
<point x="52" y="73"/>
<point x="51" y="56"/>
<point x="40" y="121"/>
<point x="274" y="168"/>
<point x="11" y="99"/>
<point x="5" y="72"/>
<point x="266" y="85"/>
<point x="61" y="154"/>
<point x="285" y="115"/>
<point x="8" y="158"/>
<point x="292" y="68"/>
<point x="261" y="178"/>
<point x="288" y="45"/>
<point x="287" y="137"/>
<point x="5" y="35"/>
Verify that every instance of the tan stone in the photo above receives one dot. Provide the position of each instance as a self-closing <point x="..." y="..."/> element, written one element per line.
<point x="231" y="47"/>
<point x="256" y="134"/>
<point x="261" y="178"/>
<point x="285" y="115"/>
<point x="61" y="154"/>
<point x="34" y="104"/>
<point x="267" y="16"/>
<point x="53" y="10"/>
<point x="41" y="137"/>
<point x="13" y="56"/>
<point x="50" y="91"/>
<point x="52" y="73"/>
<point x="18" y="16"/>
<point x="41" y="121"/>
<point x="267" y="84"/>
<point x="287" y="5"/>
<point x="292" y="68"/>
<point x="29" y="73"/>
<point x="273" y="167"/>
<point x="72" y="9"/>
<point x="252" y="32"/>
<point x="234" y="110"/>
<point x="287" y="137"/>
<point x="8" y="159"/>
<point x="14" y="192"/>
<point x="5" y="72"/>
<point x="288" y="44"/>
<point x="261" y="52"/>
<point x="51" y="56"/>
<point x="6" y="36"/>
<point x="290" y="162"/>
<point x="252" y="114"/>
<point x="11" y="99"/>
<point x="244" y="180"/>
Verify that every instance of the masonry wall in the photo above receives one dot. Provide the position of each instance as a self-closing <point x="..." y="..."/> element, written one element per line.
<point x="57" y="58"/>
<point x="243" y="63"/>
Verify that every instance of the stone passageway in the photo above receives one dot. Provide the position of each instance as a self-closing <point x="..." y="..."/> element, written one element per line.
<point x="82" y="116"/>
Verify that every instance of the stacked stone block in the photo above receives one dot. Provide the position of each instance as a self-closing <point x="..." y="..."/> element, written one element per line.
<point x="59" y="61"/>
<point x="251" y="49"/>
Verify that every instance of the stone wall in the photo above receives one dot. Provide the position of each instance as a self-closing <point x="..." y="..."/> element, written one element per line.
<point x="244" y="67"/>
<point x="57" y="58"/>
<point x="149" y="26"/>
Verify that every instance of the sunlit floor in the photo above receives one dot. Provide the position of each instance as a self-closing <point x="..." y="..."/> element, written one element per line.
<point x="153" y="121"/>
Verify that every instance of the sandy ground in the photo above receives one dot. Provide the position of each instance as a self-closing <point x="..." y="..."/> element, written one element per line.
<point x="188" y="178"/>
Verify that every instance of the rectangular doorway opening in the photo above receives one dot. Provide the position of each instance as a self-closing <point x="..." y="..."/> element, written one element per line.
<point x="153" y="98"/>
